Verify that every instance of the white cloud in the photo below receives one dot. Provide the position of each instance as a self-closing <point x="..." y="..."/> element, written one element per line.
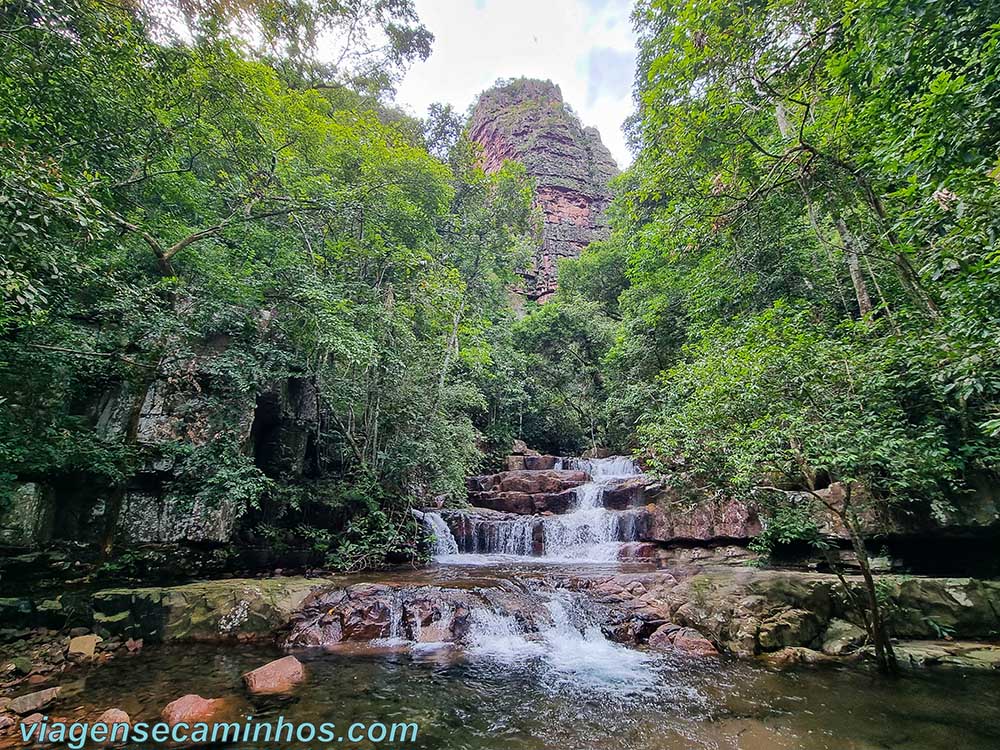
<point x="587" y="47"/>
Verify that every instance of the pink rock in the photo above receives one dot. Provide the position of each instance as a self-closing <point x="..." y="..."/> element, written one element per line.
<point x="191" y="708"/>
<point x="671" y="637"/>
<point x="278" y="676"/>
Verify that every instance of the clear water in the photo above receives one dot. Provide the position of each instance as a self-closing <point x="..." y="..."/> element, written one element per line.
<point x="571" y="697"/>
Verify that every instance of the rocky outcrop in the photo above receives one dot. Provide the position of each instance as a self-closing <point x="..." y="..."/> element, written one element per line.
<point x="527" y="121"/>
<point x="752" y="612"/>
<point x="526" y="491"/>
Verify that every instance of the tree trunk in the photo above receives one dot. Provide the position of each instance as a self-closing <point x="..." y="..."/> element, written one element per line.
<point x="884" y="654"/>
<point x="854" y="266"/>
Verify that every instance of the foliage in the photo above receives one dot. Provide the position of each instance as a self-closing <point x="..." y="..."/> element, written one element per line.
<point x="190" y="227"/>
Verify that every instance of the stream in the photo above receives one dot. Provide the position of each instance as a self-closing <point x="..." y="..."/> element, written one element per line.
<point x="533" y="669"/>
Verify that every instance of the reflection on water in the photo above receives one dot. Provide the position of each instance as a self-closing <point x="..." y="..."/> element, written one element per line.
<point x="569" y="692"/>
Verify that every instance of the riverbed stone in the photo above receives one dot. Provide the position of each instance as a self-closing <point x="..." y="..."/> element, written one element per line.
<point x="279" y="676"/>
<point x="193" y="708"/>
<point x="33" y="702"/>
<point x="82" y="647"/>
<point x="672" y="637"/>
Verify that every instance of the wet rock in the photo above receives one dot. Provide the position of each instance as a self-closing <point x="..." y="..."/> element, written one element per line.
<point x="792" y="656"/>
<point x="948" y="654"/>
<point x="541" y="463"/>
<point x="637" y="551"/>
<point x="32" y="702"/>
<point x="842" y="637"/>
<point x="627" y="493"/>
<point x="671" y="637"/>
<point x="82" y="647"/>
<point x="193" y="708"/>
<point x="278" y="676"/>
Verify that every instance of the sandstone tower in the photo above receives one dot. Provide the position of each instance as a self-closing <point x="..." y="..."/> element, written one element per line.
<point x="527" y="121"/>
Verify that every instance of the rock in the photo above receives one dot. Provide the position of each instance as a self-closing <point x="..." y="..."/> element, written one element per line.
<point x="32" y="702"/>
<point x="795" y="655"/>
<point x="671" y="637"/>
<point x="6" y="721"/>
<point x="520" y="448"/>
<point x="22" y="665"/>
<point x="278" y="676"/>
<point x="842" y="637"/>
<point x="82" y="647"/>
<point x="114" y="716"/>
<point x="637" y="551"/>
<point x="515" y="463"/>
<point x="527" y="121"/>
<point x="789" y="627"/>
<point x="74" y="632"/>
<point x="540" y="463"/>
<point x="33" y="719"/>
<point x="947" y="654"/>
<point x="677" y="517"/>
<point x="193" y="708"/>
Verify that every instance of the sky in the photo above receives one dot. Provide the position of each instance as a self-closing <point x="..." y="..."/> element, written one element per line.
<point x="587" y="47"/>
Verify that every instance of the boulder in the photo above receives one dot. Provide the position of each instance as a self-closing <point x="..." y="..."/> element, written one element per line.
<point x="33" y="702"/>
<point x="671" y="637"/>
<point x="540" y="463"/>
<point x="114" y="716"/>
<point x="278" y="676"/>
<point x="193" y="708"/>
<point x="795" y="655"/>
<point x="842" y="637"/>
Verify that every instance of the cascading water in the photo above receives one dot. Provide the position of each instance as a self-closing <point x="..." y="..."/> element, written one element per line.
<point x="444" y="540"/>
<point x="590" y="532"/>
<point x="570" y="648"/>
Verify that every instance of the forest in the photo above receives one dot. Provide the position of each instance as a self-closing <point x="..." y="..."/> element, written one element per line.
<point x="801" y="284"/>
<point x="319" y="410"/>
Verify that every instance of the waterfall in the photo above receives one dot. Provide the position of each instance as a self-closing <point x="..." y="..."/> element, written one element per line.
<point x="396" y="635"/>
<point x="600" y="469"/>
<point x="444" y="540"/>
<point x="589" y="531"/>
<point x="507" y="537"/>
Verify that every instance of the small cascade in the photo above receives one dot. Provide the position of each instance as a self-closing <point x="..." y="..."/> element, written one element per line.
<point x="581" y="529"/>
<point x="590" y="532"/>
<point x="396" y="636"/>
<point x="444" y="540"/>
<point x="515" y="536"/>
<point x="569" y="647"/>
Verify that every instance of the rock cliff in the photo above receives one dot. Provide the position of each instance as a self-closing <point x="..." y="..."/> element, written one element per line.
<point x="527" y="121"/>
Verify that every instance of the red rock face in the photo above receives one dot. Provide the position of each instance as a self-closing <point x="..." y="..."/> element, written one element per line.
<point x="527" y="121"/>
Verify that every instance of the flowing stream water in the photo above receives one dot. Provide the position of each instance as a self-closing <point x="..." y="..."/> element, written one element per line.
<point x="534" y="671"/>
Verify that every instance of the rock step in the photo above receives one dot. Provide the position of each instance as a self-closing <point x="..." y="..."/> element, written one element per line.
<point x="535" y="492"/>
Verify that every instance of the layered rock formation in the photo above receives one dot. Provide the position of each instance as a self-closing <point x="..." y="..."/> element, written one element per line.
<point x="527" y="121"/>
